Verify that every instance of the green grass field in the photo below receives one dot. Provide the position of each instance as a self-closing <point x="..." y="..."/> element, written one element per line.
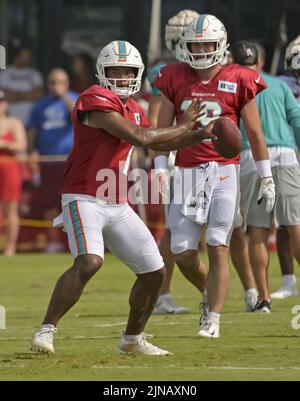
<point x="251" y="347"/>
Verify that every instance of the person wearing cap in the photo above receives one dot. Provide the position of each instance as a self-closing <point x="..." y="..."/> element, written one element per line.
<point x="288" y="286"/>
<point x="12" y="142"/>
<point x="279" y="113"/>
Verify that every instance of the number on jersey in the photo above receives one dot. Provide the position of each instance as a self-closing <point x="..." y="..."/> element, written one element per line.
<point x="213" y="110"/>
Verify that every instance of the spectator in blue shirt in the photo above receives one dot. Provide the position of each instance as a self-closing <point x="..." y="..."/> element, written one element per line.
<point x="50" y="125"/>
<point x="51" y="134"/>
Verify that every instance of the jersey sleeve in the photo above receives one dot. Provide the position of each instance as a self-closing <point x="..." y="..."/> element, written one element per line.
<point x="250" y="85"/>
<point x="163" y="82"/>
<point x="88" y="101"/>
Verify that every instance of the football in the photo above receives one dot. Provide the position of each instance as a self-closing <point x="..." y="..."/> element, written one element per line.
<point x="229" y="143"/>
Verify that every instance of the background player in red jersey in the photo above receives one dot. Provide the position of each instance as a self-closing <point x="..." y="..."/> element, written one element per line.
<point x="95" y="210"/>
<point x="227" y="91"/>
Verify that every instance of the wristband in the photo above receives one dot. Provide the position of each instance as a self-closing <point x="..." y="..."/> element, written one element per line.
<point x="160" y="164"/>
<point x="264" y="168"/>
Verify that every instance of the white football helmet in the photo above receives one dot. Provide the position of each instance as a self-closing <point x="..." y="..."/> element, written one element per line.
<point x="205" y="29"/>
<point x="292" y="56"/>
<point x="120" y="54"/>
<point x="174" y="32"/>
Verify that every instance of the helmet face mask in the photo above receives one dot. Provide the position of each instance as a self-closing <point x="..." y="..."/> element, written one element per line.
<point x="292" y="58"/>
<point x="120" y="54"/>
<point x="113" y="83"/>
<point x="295" y="62"/>
<point x="206" y="29"/>
<point x="174" y="31"/>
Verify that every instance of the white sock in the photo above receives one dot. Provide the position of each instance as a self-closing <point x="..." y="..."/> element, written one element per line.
<point x="289" y="280"/>
<point x="272" y="238"/>
<point x="251" y="291"/>
<point x="214" y="317"/>
<point x="167" y="295"/>
<point x="48" y="325"/>
<point x="131" y="337"/>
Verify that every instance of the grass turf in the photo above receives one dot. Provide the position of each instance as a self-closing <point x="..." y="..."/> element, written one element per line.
<point x="251" y="347"/>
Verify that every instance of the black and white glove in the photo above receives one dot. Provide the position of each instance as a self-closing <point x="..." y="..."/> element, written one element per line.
<point x="267" y="192"/>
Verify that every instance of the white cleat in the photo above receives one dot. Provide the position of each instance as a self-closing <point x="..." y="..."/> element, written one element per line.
<point x="140" y="346"/>
<point x="251" y="299"/>
<point x="168" y="306"/>
<point x="210" y="330"/>
<point x="285" y="292"/>
<point x="42" y="340"/>
<point x="263" y="306"/>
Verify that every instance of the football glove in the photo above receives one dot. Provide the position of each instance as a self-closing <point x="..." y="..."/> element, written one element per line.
<point x="267" y="192"/>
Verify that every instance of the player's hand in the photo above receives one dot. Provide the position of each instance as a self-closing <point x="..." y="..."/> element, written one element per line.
<point x="267" y="192"/>
<point x="193" y="113"/>
<point x="207" y="132"/>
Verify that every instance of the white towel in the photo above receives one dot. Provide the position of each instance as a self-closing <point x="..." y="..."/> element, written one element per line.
<point x="197" y="203"/>
<point x="58" y="221"/>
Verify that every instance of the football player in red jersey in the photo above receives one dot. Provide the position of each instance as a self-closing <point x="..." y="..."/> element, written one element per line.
<point x="227" y="91"/>
<point x="174" y="30"/>
<point x="107" y="123"/>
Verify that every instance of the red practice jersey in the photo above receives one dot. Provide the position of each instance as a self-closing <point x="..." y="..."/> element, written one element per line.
<point x="225" y="95"/>
<point x="95" y="149"/>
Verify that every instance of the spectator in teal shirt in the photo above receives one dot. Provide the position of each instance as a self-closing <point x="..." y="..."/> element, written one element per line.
<point x="280" y="120"/>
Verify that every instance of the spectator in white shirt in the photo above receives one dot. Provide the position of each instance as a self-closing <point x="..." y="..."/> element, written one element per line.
<point x="22" y="85"/>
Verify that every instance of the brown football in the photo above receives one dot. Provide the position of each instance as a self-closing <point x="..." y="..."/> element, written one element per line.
<point x="229" y="143"/>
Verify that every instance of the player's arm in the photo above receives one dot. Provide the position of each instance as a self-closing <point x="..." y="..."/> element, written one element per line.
<point x="153" y="111"/>
<point x="251" y="119"/>
<point x="69" y="102"/>
<point x="169" y="138"/>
